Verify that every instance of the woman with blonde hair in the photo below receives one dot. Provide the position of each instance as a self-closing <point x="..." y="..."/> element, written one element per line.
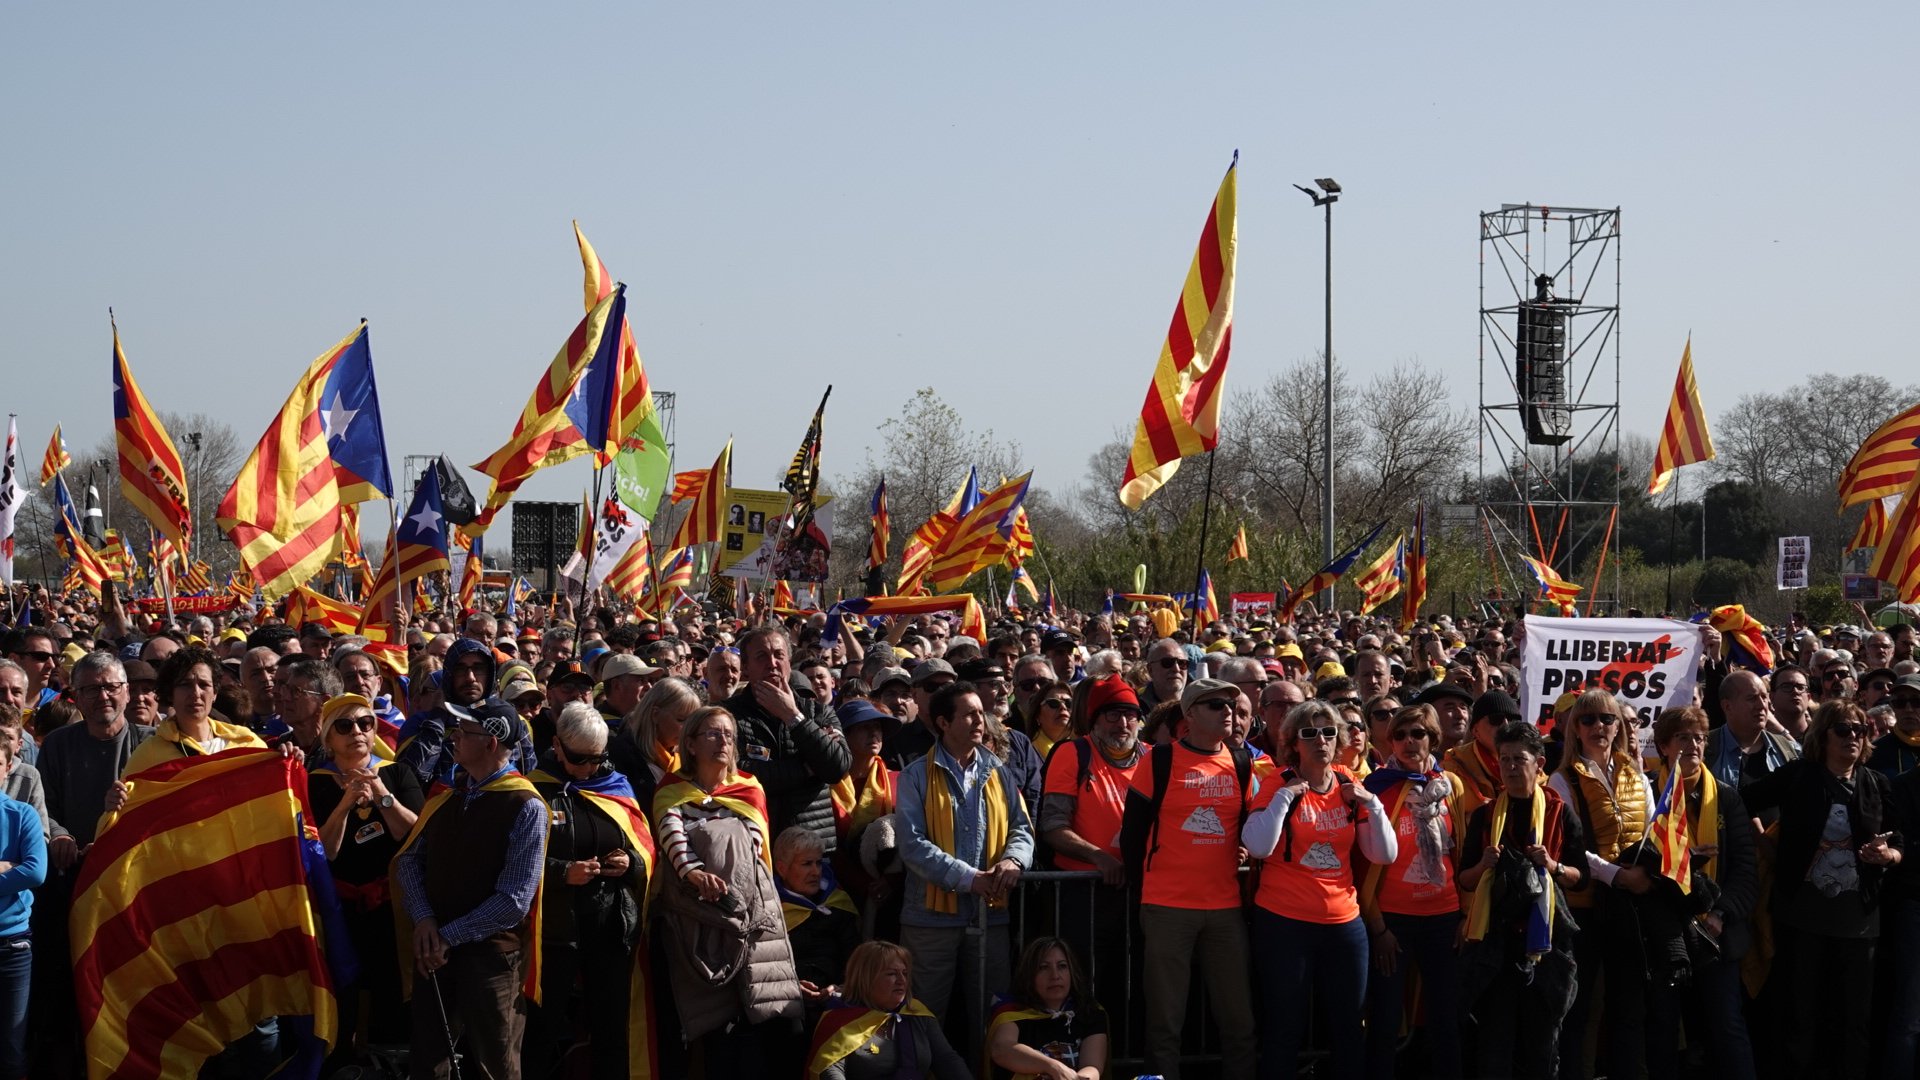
<point x="648" y="749"/>
<point x="882" y="1033"/>
<point x="1601" y="781"/>
<point x="735" y="987"/>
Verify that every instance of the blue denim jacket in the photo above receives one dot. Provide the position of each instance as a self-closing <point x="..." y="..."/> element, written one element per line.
<point x="928" y="863"/>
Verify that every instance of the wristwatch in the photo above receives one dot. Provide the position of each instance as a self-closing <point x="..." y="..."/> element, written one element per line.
<point x="386" y="801"/>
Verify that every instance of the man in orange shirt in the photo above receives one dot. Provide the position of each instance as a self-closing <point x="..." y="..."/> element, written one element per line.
<point x="1181" y="835"/>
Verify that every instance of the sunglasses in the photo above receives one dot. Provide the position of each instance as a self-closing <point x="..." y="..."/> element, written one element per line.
<point x="1056" y="703"/>
<point x="1343" y="701"/>
<point x="1849" y="731"/>
<point x="579" y="758"/>
<point x="1168" y="663"/>
<point x="347" y="725"/>
<point x="1121" y="713"/>
<point x="1593" y="719"/>
<point x="1412" y="735"/>
<point x="37" y="657"/>
<point x="1216" y="704"/>
<point x="1309" y="734"/>
<point x="1381" y="714"/>
<point x="1033" y="684"/>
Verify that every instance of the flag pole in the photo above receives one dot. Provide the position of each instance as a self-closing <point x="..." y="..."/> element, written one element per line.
<point x="1200" y="568"/>
<point x="1673" y="533"/>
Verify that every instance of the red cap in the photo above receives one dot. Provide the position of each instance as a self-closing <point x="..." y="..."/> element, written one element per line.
<point x="1112" y="690"/>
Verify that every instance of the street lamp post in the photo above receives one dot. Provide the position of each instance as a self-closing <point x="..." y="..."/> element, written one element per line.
<point x="1328" y="194"/>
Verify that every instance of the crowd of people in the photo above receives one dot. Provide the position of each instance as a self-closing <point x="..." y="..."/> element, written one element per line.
<point x="581" y="844"/>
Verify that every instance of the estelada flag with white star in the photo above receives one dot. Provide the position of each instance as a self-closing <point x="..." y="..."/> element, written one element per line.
<point x="350" y="416"/>
<point x="283" y="511"/>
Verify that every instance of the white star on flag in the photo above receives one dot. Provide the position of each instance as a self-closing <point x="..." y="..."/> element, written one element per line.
<point x="427" y="520"/>
<point x="335" y="421"/>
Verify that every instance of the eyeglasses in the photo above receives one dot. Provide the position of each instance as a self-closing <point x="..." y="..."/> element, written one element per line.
<point x="579" y="758"/>
<point x="347" y="725"/>
<point x="1121" y="713"/>
<point x="1381" y="714"/>
<point x="1216" y="704"/>
<point x="715" y="735"/>
<point x="1343" y="701"/>
<point x="1309" y="734"/>
<point x="35" y="656"/>
<point x="1849" y="731"/>
<point x="1056" y="703"/>
<point x="1600" y="719"/>
<point x="100" y="688"/>
<point x="1796" y="687"/>
<point x="1412" y="735"/>
<point x="1168" y="663"/>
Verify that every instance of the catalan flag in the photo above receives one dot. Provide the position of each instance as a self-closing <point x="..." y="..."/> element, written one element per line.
<point x="113" y="555"/>
<point x="708" y="512"/>
<point x="981" y="538"/>
<point x="417" y="547"/>
<point x="1381" y="581"/>
<point x="1238" y="549"/>
<point x="676" y="570"/>
<point x="283" y="511"/>
<point x="1872" y="531"/>
<point x="197" y="579"/>
<point x="152" y="477"/>
<point x="69" y="523"/>
<point x="194" y="915"/>
<point x="57" y="457"/>
<point x="1415" y="591"/>
<point x="1885" y="463"/>
<point x="1897" y="561"/>
<point x="1553" y="588"/>
<point x="631" y="577"/>
<point x="546" y="432"/>
<point x="1684" y="440"/>
<point x="634" y="422"/>
<point x="1205" y="606"/>
<point x="688" y="485"/>
<point x="1181" y="416"/>
<point x="1025" y="581"/>
<point x="1668" y="829"/>
<point x="1329" y="574"/>
<point x="972" y="622"/>
<point x="882" y="527"/>
<point x="918" y="555"/>
<point x="1745" y="637"/>
<point x="350" y="418"/>
<point x="307" y="606"/>
<point x="476" y="563"/>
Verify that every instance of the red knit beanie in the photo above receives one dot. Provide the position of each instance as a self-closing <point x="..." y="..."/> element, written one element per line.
<point x="1112" y="690"/>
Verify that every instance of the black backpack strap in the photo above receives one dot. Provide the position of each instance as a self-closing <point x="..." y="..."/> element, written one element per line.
<point x="1161" y="761"/>
<point x="1084" y="775"/>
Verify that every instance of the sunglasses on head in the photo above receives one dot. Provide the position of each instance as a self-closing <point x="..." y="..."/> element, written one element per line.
<point x="347" y="725"/>
<point x="1308" y="734"/>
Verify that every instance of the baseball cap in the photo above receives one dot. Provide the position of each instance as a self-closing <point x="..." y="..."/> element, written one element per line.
<point x="1904" y="682"/>
<point x="1332" y="669"/>
<point x="571" y="675"/>
<point x="495" y="717"/>
<point x="1199" y="688"/>
<point x="1290" y="651"/>
<point x="890" y="675"/>
<point x="982" y="668"/>
<point x="518" y="687"/>
<point x="618" y="664"/>
<point x="929" y="668"/>
<point x="1057" y="639"/>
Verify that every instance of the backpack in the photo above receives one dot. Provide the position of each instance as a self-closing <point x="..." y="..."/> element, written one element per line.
<point x="1082" y="775"/>
<point x="1162" y="765"/>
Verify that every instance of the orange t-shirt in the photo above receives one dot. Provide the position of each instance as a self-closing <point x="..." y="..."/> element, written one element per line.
<point x="1198" y="864"/>
<point x="1317" y="885"/>
<point x="1399" y="893"/>
<point x="1099" y="804"/>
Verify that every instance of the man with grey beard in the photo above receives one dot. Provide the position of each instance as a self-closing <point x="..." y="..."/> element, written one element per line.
<point x="1079" y="824"/>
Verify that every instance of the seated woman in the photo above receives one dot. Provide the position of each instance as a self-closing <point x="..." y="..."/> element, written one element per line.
<point x="882" y="1033"/>
<point x="366" y="809"/>
<point x="1053" y="1028"/>
<point x="599" y="853"/>
<point x="823" y="925"/>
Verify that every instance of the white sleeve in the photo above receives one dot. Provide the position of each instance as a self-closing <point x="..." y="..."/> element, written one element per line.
<point x="1377" y="840"/>
<point x="1261" y="834"/>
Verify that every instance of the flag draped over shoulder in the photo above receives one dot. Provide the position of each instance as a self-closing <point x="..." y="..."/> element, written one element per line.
<point x="1329" y="574"/>
<point x="981" y="538"/>
<point x="152" y="476"/>
<point x="707" y="515"/>
<point x="194" y="916"/>
<point x="546" y="432"/>
<point x="1885" y="463"/>
<point x="1684" y="440"/>
<point x="1414" y="590"/>
<point x="283" y="511"/>
<point x="1181" y="416"/>
<point x="57" y="457"/>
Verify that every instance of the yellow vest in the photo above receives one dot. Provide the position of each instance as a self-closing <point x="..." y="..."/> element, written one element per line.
<point x="1616" y="819"/>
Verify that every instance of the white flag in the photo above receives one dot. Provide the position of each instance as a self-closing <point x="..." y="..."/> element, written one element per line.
<point x="10" y="499"/>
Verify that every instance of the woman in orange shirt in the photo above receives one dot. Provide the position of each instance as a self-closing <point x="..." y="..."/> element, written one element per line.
<point x="1411" y="906"/>
<point x="1309" y="943"/>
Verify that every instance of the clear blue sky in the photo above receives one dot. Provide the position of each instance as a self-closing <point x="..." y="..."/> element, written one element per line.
<point x="995" y="200"/>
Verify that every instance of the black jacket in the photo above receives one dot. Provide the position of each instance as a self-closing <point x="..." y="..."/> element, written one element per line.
<point x="796" y="763"/>
<point x="1799" y="790"/>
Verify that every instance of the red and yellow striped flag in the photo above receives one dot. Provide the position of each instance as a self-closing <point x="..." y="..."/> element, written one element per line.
<point x="882" y="526"/>
<point x="1181" y="416"/>
<point x="1684" y="440"/>
<point x="1553" y="588"/>
<point x="544" y="435"/>
<point x="632" y="395"/>
<point x="152" y="477"/>
<point x="918" y="553"/>
<point x="197" y="578"/>
<point x="89" y="569"/>
<point x="1885" y="463"/>
<point x="194" y="916"/>
<point x="57" y="458"/>
<point x="676" y="570"/>
<point x="631" y="577"/>
<point x="981" y="539"/>
<point x="1238" y="549"/>
<point x="113" y="555"/>
<point x="1415" y="592"/>
<point x="306" y="606"/>
<point x="1897" y="561"/>
<point x="283" y="511"/>
<point x="704" y="519"/>
<point x="1873" y="525"/>
<point x="471" y="570"/>
<point x="1381" y="581"/>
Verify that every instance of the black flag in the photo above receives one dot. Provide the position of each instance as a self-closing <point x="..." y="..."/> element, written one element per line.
<point x="456" y="499"/>
<point x="92" y="521"/>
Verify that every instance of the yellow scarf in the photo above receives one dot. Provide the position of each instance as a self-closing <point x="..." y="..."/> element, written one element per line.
<point x="873" y="801"/>
<point x="796" y="914"/>
<point x="667" y="757"/>
<point x="403" y="923"/>
<point x="1911" y="740"/>
<point x="939" y="808"/>
<point x="1481" y="914"/>
<point x="1706" y="830"/>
